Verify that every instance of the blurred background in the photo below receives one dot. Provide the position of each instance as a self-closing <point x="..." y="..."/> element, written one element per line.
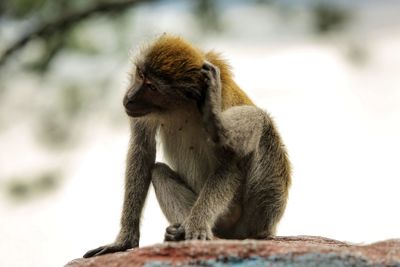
<point x="327" y="71"/>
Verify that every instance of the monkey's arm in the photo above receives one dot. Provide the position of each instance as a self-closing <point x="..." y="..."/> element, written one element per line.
<point x="140" y="161"/>
<point x="238" y="128"/>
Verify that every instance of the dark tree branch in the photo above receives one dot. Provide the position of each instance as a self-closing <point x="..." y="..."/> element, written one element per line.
<point x="53" y="46"/>
<point x="64" y="23"/>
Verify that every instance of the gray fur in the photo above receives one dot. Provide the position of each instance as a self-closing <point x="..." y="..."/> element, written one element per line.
<point x="243" y="167"/>
<point x="166" y="183"/>
<point x="227" y="173"/>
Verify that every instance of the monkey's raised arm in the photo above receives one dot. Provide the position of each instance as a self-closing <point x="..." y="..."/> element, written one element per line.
<point x="140" y="161"/>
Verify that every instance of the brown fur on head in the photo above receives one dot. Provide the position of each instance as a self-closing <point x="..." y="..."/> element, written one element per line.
<point x="232" y="95"/>
<point x="173" y="61"/>
<point x="168" y="74"/>
<point x="174" y="57"/>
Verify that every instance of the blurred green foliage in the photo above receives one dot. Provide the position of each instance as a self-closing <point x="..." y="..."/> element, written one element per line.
<point x="44" y="30"/>
<point x="329" y="18"/>
<point x="21" y="8"/>
<point x="21" y="189"/>
<point x="49" y="50"/>
<point x="207" y="12"/>
<point x="41" y="9"/>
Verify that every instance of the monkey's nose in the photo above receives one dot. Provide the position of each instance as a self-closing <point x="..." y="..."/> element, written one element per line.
<point x="126" y="102"/>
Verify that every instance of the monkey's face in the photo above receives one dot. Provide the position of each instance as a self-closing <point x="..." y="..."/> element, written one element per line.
<point x="167" y="76"/>
<point x="143" y="96"/>
<point x="151" y="92"/>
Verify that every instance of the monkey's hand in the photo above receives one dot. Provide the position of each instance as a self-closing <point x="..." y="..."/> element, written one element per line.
<point x="111" y="248"/>
<point x="211" y="108"/>
<point x="175" y="232"/>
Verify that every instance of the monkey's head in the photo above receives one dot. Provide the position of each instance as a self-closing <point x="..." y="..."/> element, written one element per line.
<point x="166" y="76"/>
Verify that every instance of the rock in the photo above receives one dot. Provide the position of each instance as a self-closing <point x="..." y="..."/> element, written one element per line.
<point x="296" y="251"/>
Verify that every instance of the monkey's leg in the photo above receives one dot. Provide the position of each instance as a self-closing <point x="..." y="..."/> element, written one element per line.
<point x="249" y="129"/>
<point x="268" y="171"/>
<point x="214" y="199"/>
<point x="175" y="198"/>
<point x="265" y="206"/>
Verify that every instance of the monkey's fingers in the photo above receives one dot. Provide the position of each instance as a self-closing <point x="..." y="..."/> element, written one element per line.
<point x="211" y="72"/>
<point x="93" y="252"/>
<point x="105" y="250"/>
<point x="208" y="66"/>
<point x="207" y="77"/>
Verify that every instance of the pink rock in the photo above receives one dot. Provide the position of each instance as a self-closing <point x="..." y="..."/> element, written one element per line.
<point x="279" y="251"/>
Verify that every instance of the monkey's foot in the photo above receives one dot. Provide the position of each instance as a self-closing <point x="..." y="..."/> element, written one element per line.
<point x="174" y="232"/>
<point x="196" y="231"/>
<point x="200" y="234"/>
<point x="115" y="247"/>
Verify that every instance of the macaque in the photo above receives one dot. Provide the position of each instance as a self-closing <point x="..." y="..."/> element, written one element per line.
<point x="227" y="172"/>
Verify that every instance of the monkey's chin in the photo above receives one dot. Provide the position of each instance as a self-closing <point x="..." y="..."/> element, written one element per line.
<point x="137" y="113"/>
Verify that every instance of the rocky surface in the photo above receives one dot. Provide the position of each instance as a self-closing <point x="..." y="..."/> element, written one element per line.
<point x="280" y="251"/>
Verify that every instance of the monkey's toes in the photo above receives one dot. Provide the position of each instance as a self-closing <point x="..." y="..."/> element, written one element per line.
<point x="174" y="232"/>
<point x="199" y="235"/>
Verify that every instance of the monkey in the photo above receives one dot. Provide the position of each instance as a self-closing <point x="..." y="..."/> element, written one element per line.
<point x="226" y="173"/>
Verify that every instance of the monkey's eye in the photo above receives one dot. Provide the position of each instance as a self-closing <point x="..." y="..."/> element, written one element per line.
<point x="151" y="86"/>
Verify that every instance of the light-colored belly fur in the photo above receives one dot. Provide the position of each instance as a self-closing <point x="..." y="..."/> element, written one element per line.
<point x="186" y="149"/>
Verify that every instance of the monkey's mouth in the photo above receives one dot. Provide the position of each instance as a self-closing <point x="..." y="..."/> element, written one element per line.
<point x="137" y="112"/>
<point x="135" y="109"/>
